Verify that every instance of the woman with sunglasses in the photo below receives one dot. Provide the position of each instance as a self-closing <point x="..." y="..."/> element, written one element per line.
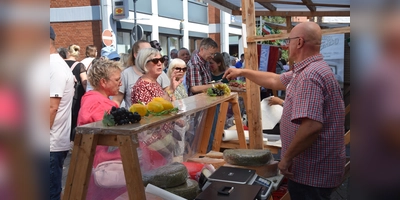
<point x="131" y="74"/>
<point x="150" y="63"/>
<point x="160" y="141"/>
<point x="218" y="67"/>
<point x="179" y="67"/>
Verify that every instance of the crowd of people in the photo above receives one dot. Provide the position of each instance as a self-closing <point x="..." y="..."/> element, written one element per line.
<point x="312" y="125"/>
<point x="100" y="82"/>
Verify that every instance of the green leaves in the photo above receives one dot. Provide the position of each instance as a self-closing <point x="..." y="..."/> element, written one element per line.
<point x="108" y="120"/>
<point x="164" y="112"/>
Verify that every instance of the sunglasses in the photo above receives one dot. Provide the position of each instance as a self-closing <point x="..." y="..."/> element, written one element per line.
<point x="180" y="69"/>
<point x="156" y="60"/>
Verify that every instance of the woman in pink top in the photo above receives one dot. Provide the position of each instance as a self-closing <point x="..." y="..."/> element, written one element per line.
<point x="105" y="77"/>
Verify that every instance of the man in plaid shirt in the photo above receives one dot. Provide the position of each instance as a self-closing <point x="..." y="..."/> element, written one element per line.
<point x="198" y="74"/>
<point x="312" y="124"/>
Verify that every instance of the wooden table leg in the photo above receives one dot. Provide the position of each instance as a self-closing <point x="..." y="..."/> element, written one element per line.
<point x="239" y="124"/>
<point x="220" y="126"/>
<point x="130" y="162"/>
<point x="80" y="166"/>
<point x="207" y="130"/>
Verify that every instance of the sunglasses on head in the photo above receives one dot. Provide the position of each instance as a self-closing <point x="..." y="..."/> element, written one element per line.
<point x="180" y="69"/>
<point x="156" y="60"/>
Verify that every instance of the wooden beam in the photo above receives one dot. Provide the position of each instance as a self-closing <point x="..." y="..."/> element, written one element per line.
<point x="296" y="13"/>
<point x="226" y="4"/>
<point x="268" y="6"/>
<point x="280" y="36"/>
<point x="301" y="3"/>
<point x="252" y="89"/>
<point x="309" y="5"/>
<point x="336" y="30"/>
<point x="288" y="24"/>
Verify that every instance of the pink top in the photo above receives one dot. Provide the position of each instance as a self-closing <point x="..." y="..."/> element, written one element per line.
<point x="93" y="106"/>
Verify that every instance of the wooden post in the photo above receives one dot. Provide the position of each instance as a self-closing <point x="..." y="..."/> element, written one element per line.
<point x="288" y="24"/>
<point x="130" y="162"/>
<point x="207" y="130"/>
<point x="85" y="155"/>
<point x="253" y="90"/>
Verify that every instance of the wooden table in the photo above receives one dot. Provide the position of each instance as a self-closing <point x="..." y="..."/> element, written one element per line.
<point x="125" y="137"/>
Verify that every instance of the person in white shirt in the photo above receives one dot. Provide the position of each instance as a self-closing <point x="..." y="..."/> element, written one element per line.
<point x="61" y="94"/>
<point x="91" y="53"/>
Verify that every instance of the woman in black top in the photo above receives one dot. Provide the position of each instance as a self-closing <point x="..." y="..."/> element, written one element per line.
<point x="79" y="72"/>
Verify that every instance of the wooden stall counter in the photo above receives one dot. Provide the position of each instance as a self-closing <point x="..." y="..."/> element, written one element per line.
<point x="126" y="138"/>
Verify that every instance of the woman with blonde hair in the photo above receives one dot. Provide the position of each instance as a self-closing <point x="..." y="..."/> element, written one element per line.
<point x="79" y="71"/>
<point x="124" y="60"/>
<point x="179" y="67"/>
<point x="105" y="77"/>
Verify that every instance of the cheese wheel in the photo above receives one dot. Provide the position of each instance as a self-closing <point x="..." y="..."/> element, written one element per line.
<point x="248" y="157"/>
<point x="189" y="190"/>
<point x="167" y="176"/>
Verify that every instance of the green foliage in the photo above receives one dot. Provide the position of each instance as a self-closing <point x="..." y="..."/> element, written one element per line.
<point x="275" y="20"/>
<point x="108" y="120"/>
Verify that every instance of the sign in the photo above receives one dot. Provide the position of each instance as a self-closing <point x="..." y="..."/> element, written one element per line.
<point x="120" y="9"/>
<point x="107" y="37"/>
<point x="332" y="48"/>
<point x="139" y="32"/>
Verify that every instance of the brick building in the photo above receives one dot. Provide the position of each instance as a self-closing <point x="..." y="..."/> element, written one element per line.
<point x="183" y="24"/>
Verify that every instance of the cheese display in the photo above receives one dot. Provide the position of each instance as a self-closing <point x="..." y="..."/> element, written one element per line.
<point x="248" y="157"/>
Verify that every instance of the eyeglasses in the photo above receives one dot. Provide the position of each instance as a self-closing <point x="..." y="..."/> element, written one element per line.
<point x="287" y="40"/>
<point x="156" y="60"/>
<point x="180" y="69"/>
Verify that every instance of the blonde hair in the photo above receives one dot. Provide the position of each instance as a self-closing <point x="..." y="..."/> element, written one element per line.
<point x="173" y="64"/>
<point x="73" y="50"/>
<point x="101" y="69"/>
<point x="143" y="56"/>
<point x="124" y="60"/>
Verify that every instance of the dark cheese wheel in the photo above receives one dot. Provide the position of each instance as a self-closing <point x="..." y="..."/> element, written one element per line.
<point x="167" y="176"/>
<point x="248" y="157"/>
<point x="189" y="190"/>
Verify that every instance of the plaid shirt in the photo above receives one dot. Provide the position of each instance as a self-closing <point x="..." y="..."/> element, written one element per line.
<point x="313" y="92"/>
<point x="198" y="72"/>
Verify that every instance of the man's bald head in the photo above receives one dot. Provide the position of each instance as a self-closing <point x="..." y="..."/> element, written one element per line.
<point x="305" y="41"/>
<point x="309" y="31"/>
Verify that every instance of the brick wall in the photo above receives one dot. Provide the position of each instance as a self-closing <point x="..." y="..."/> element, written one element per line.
<point x="217" y="38"/>
<point x="213" y="15"/>
<point x="79" y="33"/>
<point x="73" y="3"/>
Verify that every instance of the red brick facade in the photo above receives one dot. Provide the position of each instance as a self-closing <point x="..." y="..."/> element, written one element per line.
<point x="73" y="3"/>
<point x="79" y="33"/>
<point x="214" y="15"/>
<point x="82" y="33"/>
<point x="217" y="38"/>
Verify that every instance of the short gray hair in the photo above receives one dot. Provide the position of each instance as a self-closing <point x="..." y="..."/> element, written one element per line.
<point x="143" y="56"/>
<point x="226" y="59"/>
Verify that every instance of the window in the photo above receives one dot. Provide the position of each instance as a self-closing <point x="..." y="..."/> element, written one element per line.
<point x="123" y="41"/>
<point x="168" y="43"/>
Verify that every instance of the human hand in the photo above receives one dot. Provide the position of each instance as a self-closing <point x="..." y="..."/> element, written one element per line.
<point x="275" y="101"/>
<point x="285" y="166"/>
<point x="232" y="73"/>
<point x="174" y="82"/>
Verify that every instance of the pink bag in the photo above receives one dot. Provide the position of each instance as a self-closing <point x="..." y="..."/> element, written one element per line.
<point x="109" y="174"/>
